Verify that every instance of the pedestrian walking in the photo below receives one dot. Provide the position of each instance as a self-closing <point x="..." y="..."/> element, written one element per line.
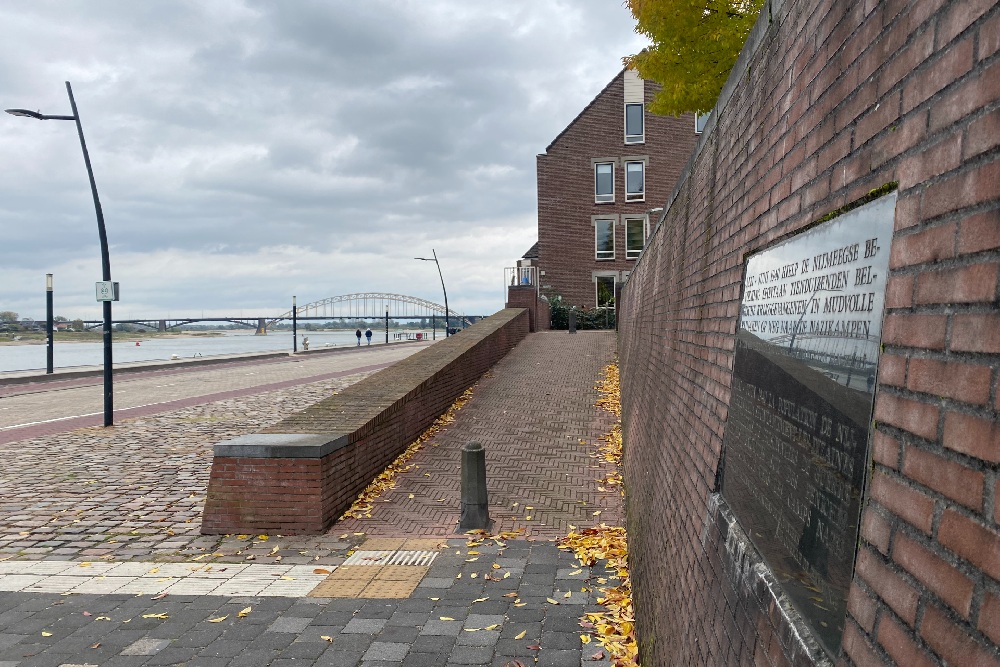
<point x="368" y="335"/>
<point x="358" y="334"/>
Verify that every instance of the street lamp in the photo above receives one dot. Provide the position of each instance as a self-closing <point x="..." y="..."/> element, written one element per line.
<point x="435" y="260"/>
<point x="48" y="324"/>
<point x="105" y="258"/>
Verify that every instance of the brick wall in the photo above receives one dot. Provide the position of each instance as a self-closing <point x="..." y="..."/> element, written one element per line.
<point x="829" y="101"/>
<point x="262" y="483"/>
<point x="566" y="251"/>
<point x="539" y="313"/>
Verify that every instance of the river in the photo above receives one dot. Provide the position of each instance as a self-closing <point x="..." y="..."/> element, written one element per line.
<point x="66" y="355"/>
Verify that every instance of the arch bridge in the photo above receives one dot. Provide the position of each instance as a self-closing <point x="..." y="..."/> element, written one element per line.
<point x="366" y="305"/>
<point x="369" y="305"/>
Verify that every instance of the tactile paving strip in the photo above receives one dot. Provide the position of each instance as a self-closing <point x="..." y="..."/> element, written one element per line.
<point x="383" y="568"/>
<point x="391" y="558"/>
<point x="366" y="581"/>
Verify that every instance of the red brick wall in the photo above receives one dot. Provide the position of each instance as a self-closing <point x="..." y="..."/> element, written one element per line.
<point x="566" y="188"/>
<point x="540" y="315"/>
<point x="829" y="101"/>
<point x="381" y="416"/>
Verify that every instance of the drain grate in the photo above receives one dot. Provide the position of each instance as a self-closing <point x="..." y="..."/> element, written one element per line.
<point x="391" y="558"/>
<point x="412" y="558"/>
<point x="369" y="558"/>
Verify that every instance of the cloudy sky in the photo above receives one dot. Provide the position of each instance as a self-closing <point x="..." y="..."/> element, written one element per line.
<point x="247" y="150"/>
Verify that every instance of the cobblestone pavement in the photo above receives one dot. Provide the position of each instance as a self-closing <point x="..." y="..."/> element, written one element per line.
<point x="39" y="408"/>
<point x="450" y="619"/>
<point x="106" y="521"/>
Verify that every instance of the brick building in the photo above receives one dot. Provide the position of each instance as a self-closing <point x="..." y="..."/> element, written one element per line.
<point x="597" y="183"/>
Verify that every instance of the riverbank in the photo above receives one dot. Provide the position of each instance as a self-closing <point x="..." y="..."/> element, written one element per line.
<point x="38" y="338"/>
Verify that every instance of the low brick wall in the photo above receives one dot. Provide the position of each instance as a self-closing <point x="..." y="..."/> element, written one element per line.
<point x="539" y="313"/>
<point x="298" y="476"/>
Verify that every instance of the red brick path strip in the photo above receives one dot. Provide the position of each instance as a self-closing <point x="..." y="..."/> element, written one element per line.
<point x="96" y="419"/>
<point x="531" y="413"/>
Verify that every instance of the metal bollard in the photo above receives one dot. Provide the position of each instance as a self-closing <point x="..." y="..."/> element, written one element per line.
<point x="572" y="321"/>
<point x="474" y="511"/>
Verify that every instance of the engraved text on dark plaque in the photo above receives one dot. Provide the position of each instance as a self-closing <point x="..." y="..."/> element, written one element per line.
<point x="796" y="442"/>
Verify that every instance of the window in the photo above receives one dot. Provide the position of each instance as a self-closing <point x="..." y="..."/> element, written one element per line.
<point x="635" y="181"/>
<point x="605" y="286"/>
<point x="700" y="121"/>
<point x="604" y="239"/>
<point x="635" y="237"/>
<point x="604" y="182"/>
<point x="634" y="129"/>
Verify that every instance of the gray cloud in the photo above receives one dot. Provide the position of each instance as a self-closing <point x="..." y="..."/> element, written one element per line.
<point x="247" y="150"/>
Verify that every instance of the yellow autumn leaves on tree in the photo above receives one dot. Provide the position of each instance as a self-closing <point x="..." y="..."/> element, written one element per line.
<point x="695" y="44"/>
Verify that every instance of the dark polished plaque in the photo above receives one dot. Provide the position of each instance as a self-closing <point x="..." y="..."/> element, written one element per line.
<point x="796" y="444"/>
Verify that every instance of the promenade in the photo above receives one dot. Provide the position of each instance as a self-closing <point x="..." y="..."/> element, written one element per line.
<point x="102" y="561"/>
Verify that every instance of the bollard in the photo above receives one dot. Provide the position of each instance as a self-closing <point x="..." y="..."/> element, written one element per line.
<point x="474" y="512"/>
<point x="572" y="321"/>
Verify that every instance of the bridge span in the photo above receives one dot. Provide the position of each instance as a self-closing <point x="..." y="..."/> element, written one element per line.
<point x="361" y="305"/>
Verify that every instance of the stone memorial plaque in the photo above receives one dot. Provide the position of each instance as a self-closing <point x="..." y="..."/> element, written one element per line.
<point x="796" y="444"/>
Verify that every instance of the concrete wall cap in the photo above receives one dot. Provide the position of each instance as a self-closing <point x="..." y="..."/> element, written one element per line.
<point x="280" y="446"/>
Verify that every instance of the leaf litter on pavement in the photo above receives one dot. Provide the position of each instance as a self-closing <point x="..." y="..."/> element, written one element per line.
<point x="364" y="503"/>
<point x="614" y="628"/>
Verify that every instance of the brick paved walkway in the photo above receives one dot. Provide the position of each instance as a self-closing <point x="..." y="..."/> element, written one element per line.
<point x="126" y="502"/>
<point x="535" y="415"/>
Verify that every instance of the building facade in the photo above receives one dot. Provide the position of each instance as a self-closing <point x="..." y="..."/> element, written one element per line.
<point x="600" y="183"/>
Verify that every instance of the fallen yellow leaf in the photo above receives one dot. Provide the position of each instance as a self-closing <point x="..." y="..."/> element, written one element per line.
<point x="245" y="612"/>
<point x="156" y="616"/>
<point x="326" y="638"/>
<point x="521" y="634"/>
<point x="551" y="601"/>
<point x="46" y="634"/>
<point x="496" y="566"/>
<point x="220" y="619"/>
<point x="447" y="618"/>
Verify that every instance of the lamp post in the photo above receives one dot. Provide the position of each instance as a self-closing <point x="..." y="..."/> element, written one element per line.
<point x="102" y="233"/>
<point x="295" y="327"/>
<point x="48" y="324"/>
<point x="435" y="260"/>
